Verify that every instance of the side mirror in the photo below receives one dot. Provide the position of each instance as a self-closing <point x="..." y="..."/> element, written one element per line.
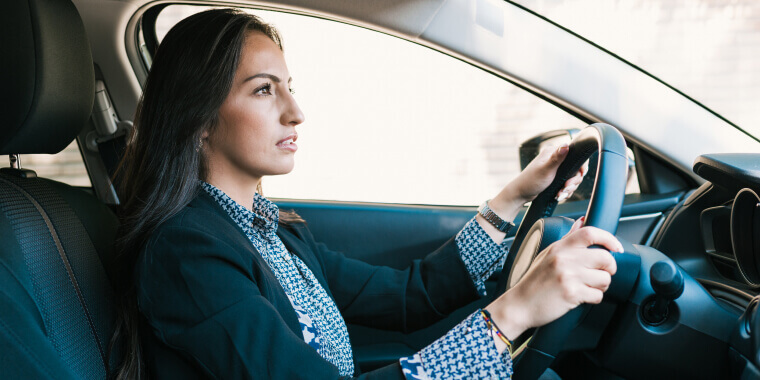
<point x="530" y="148"/>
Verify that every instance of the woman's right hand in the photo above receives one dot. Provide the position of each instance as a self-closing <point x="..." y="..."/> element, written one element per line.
<point x="563" y="276"/>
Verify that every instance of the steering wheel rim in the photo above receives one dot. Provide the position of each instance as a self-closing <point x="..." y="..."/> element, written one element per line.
<point x="603" y="212"/>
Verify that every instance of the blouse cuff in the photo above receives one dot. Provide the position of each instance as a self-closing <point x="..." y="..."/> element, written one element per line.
<point x="480" y="254"/>
<point x="466" y="352"/>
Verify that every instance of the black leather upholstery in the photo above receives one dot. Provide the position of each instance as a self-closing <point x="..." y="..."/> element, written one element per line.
<point x="57" y="312"/>
<point x="47" y="77"/>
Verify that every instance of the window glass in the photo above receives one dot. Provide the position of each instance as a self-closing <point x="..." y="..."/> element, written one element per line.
<point x="391" y="121"/>
<point x="66" y="166"/>
<point x="707" y="48"/>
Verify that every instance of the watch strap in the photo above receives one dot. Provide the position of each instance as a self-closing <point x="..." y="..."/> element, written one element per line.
<point x="495" y="220"/>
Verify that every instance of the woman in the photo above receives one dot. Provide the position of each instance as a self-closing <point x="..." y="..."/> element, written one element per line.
<point x="227" y="286"/>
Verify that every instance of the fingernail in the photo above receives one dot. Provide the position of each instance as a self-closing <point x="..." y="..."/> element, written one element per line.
<point x="562" y="150"/>
<point x="582" y="219"/>
<point x="562" y="196"/>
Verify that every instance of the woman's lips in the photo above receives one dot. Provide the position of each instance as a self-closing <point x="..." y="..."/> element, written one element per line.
<point x="289" y="143"/>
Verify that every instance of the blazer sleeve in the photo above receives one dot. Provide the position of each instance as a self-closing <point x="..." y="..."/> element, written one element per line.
<point x="401" y="300"/>
<point x="202" y="299"/>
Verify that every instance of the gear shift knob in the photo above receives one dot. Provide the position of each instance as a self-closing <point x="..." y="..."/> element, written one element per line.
<point x="667" y="282"/>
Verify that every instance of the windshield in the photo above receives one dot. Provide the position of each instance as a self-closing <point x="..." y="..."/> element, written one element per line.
<point x="708" y="49"/>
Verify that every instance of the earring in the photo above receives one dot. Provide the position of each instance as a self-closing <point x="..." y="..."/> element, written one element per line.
<point x="200" y="145"/>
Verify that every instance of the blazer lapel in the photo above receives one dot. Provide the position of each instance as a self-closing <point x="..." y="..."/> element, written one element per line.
<point x="276" y="294"/>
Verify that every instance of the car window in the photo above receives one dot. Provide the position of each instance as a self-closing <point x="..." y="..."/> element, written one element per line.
<point x="66" y="166"/>
<point x="391" y="121"/>
<point x="706" y="48"/>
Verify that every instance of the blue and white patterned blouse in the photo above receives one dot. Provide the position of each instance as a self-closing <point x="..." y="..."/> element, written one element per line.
<point x="467" y="351"/>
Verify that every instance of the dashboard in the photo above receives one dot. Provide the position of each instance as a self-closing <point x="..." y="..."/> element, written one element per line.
<point x="730" y="227"/>
<point x="711" y="329"/>
<point x="714" y="236"/>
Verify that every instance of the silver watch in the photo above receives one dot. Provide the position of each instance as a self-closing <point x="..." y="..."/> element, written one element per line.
<point x="494" y="219"/>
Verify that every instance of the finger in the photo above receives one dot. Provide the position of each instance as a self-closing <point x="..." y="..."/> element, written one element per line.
<point x="572" y="182"/>
<point x="591" y="259"/>
<point x="559" y="154"/>
<point x="569" y="188"/>
<point x="546" y="153"/>
<point x="576" y="225"/>
<point x="562" y="195"/>
<point x="588" y="236"/>
<point x="575" y="180"/>
<point x="590" y="295"/>
<point x="584" y="169"/>
<point x="599" y="259"/>
<point x="597" y="279"/>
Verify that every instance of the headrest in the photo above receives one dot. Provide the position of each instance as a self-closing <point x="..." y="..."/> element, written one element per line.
<point x="47" y="80"/>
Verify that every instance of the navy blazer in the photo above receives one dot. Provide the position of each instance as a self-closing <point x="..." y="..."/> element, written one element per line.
<point x="213" y="308"/>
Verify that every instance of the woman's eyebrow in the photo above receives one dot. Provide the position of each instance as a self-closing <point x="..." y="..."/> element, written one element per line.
<point x="271" y="77"/>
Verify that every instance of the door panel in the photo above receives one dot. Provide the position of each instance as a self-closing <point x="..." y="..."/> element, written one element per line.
<point x="394" y="235"/>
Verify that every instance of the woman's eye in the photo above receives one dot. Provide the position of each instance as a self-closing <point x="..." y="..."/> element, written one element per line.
<point x="264" y="90"/>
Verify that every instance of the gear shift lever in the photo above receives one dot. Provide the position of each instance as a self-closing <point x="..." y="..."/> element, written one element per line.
<point x="667" y="282"/>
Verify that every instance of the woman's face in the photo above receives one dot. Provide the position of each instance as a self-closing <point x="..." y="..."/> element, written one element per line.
<point x="256" y="133"/>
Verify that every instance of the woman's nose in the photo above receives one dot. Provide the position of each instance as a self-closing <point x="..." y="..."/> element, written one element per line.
<point x="293" y="114"/>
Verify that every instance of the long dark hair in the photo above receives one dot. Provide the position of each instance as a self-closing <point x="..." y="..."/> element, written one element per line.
<point x="190" y="78"/>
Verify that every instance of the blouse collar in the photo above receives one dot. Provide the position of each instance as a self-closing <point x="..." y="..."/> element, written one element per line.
<point x="262" y="218"/>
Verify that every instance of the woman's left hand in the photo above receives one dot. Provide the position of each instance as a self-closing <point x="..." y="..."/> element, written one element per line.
<point x="537" y="176"/>
<point x="534" y="179"/>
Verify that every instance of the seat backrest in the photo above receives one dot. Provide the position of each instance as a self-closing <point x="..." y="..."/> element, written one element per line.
<point x="57" y="309"/>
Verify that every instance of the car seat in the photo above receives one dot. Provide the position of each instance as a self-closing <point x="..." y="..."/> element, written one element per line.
<point x="57" y="309"/>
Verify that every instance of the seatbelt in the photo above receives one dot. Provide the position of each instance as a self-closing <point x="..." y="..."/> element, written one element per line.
<point x="68" y="320"/>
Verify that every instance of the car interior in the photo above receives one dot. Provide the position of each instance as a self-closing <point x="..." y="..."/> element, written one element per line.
<point x="684" y="304"/>
<point x="58" y="305"/>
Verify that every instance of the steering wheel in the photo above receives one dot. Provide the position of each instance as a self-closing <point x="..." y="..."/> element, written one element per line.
<point x="538" y="229"/>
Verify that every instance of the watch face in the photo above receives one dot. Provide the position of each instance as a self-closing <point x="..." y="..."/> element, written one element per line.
<point x="525" y="256"/>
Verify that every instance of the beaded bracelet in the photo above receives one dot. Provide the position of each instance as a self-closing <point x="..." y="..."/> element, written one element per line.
<point x="495" y="329"/>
